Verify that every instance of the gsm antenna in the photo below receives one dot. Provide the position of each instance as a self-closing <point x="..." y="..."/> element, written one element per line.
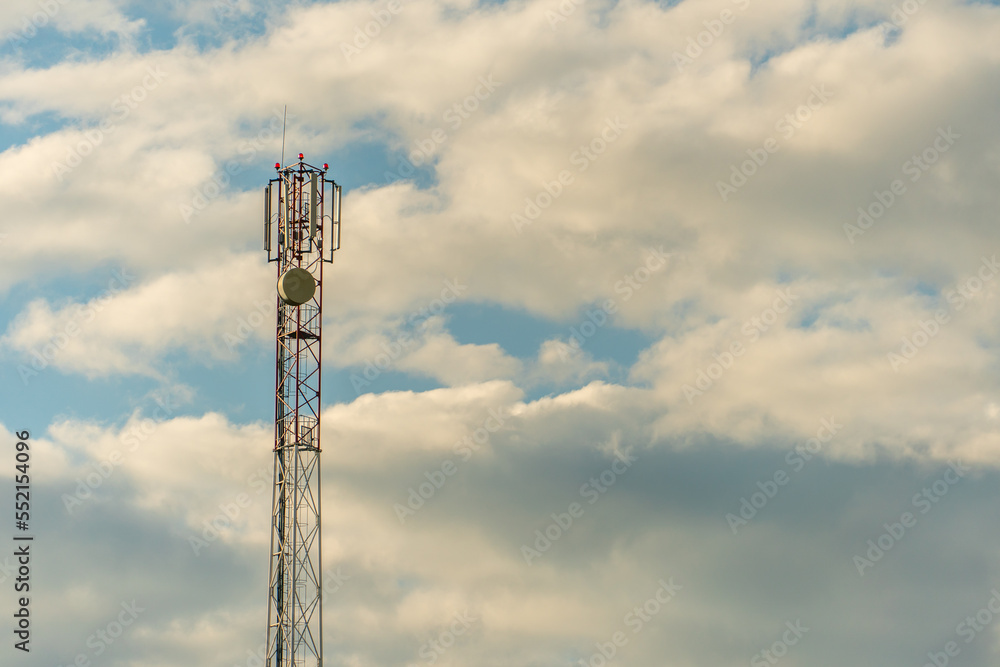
<point x="301" y="233"/>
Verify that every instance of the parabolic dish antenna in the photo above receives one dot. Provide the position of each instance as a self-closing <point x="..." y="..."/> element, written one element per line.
<point x="296" y="286"/>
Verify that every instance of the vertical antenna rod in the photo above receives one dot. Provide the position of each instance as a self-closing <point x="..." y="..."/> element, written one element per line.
<point x="284" y="124"/>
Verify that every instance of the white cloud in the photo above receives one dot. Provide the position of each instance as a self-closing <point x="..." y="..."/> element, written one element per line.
<point x="129" y="327"/>
<point x="443" y="358"/>
<point x="560" y="362"/>
<point x="677" y="137"/>
<point x="461" y="553"/>
<point x="21" y="20"/>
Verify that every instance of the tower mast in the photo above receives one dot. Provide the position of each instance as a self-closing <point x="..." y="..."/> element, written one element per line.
<point x="301" y="233"/>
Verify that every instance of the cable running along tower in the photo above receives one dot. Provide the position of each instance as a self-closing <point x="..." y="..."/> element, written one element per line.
<point x="301" y="233"/>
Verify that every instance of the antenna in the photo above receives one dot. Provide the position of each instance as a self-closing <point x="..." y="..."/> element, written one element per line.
<point x="305" y="208"/>
<point x="284" y="120"/>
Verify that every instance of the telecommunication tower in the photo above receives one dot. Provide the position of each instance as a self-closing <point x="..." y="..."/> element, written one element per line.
<point x="301" y="233"/>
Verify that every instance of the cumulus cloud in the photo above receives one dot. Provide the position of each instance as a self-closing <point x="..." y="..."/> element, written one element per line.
<point x="130" y="327"/>
<point x="526" y="161"/>
<point x="394" y="586"/>
<point x="22" y="20"/>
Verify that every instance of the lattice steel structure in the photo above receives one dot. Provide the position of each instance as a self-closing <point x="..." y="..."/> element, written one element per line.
<point x="301" y="233"/>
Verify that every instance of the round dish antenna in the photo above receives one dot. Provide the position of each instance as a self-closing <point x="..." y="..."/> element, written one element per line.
<point x="296" y="286"/>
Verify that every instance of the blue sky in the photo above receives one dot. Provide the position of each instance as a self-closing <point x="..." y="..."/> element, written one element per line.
<point x="644" y="217"/>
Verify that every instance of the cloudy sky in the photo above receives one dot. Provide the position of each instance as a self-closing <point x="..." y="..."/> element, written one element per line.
<point x="690" y="309"/>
